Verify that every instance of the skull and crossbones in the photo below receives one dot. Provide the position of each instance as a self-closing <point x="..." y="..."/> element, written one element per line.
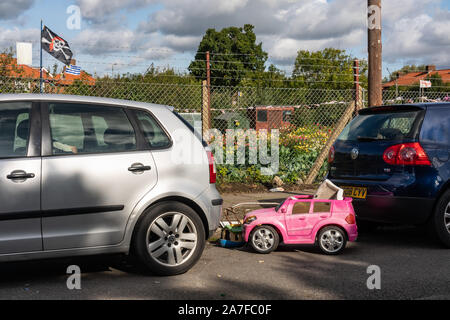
<point x="57" y="44"/>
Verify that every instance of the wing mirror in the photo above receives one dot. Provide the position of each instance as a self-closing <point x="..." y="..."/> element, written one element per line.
<point x="283" y="210"/>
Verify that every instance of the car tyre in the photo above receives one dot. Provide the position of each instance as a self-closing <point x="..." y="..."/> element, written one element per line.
<point x="264" y="239"/>
<point x="332" y="240"/>
<point x="169" y="239"/>
<point x="440" y="221"/>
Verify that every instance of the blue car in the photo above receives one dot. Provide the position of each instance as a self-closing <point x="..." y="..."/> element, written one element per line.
<point x="394" y="162"/>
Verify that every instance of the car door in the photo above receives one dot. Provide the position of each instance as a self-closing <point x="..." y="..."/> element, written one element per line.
<point x="296" y="217"/>
<point x="301" y="223"/>
<point x="321" y="210"/>
<point x="20" y="178"/>
<point x="96" y="167"/>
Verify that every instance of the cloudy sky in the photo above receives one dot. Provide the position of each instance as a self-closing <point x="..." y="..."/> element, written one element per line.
<point x="126" y="35"/>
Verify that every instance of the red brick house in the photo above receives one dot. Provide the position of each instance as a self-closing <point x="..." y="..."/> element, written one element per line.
<point x="27" y="76"/>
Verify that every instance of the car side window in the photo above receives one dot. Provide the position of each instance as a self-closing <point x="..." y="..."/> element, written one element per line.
<point x="82" y="128"/>
<point x="154" y="134"/>
<point x="14" y="129"/>
<point x="436" y="127"/>
<point x="301" y="207"/>
<point x="322" y="207"/>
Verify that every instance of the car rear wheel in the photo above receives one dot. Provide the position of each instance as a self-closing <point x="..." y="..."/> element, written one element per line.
<point x="264" y="239"/>
<point x="440" y="221"/>
<point x="332" y="240"/>
<point x="170" y="238"/>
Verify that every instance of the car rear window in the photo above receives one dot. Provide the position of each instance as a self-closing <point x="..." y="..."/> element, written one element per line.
<point x="389" y="126"/>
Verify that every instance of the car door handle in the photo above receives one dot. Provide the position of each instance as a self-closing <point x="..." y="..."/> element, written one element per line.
<point x="139" y="167"/>
<point x="301" y="218"/>
<point x="19" y="174"/>
<point x="323" y="216"/>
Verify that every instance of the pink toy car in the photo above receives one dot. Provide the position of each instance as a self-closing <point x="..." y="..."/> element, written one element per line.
<point x="302" y="220"/>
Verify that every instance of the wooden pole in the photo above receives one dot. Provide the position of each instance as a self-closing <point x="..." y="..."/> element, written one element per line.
<point x="208" y="81"/>
<point x="375" y="53"/>
<point x="205" y="116"/>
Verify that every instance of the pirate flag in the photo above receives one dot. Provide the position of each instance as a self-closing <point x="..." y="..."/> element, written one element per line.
<point x="56" y="46"/>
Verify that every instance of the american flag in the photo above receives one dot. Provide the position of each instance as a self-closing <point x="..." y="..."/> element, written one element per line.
<point x="75" y="70"/>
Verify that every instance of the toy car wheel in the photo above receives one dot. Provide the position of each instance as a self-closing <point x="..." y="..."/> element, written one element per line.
<point x="264" y="239"/>
<point x="332" y="240"/>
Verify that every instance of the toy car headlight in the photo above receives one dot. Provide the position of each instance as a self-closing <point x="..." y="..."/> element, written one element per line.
<point x="250" y="219"/>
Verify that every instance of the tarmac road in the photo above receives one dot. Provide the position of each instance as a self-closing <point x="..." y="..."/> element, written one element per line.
<point x="412" y="265"/>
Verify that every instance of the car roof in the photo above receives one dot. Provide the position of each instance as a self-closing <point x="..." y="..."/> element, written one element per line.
<point x="420" y="105"/>
<point x="404" y="107"/>
<point x="80" y="99"/>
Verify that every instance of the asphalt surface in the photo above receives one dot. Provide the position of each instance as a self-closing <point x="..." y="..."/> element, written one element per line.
<point x="413" y="266"/>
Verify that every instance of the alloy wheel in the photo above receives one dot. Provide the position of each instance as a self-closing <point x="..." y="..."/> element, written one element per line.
<point x="263" y="239"/>
<point x="332" y="240"/>
<point x="171" y="239"/>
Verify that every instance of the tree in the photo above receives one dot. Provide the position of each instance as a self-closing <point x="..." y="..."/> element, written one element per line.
<point x="326" y="69"/>
<point x="272" y="78"/>
<point x="234" y="55"/>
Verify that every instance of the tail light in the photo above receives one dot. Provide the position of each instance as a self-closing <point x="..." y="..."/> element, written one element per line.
<point x="406" y="154"/>
<point x="331" y="154"/>
<point x="350" y="219"/>
<point x="212" y="167"/>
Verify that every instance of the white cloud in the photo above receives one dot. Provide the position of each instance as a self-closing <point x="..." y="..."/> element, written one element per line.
<point x="100" y="10"/>
<point x="10" y="10"/>
<point x="412" y="30"/>
<point x="98" y="42"/>
<point x="422" y="40"/>
<point x="9" y="37"/>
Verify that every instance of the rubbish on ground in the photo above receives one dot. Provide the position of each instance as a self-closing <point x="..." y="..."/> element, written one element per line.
<point x="231" y="244"/>
<point x="277" y="182"/>
<point x="231" y="236"/>
<point x="279" y="189"/>
<point x="328" y="190"/>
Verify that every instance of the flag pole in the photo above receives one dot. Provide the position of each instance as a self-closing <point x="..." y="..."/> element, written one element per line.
<point x="40" y="65"/>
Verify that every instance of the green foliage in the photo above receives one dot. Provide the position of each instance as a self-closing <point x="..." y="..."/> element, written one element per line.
<point x="298" y="151"/>
<point x="326" y="69"/>
<point x="234" y="53"/>
<point x="272" y="78"/>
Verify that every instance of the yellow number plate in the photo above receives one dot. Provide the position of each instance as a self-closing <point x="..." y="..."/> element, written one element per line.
<point x="355" y="192"/>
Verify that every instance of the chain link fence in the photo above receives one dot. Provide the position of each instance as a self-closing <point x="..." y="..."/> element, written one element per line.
<point x="305" y="118"/>
<point x="410" y="96"/>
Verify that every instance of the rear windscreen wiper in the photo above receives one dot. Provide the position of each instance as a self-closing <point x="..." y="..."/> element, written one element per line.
<point x="369" y="139"/>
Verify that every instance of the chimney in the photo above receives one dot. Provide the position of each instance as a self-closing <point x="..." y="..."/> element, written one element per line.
<point x="430" y="68"/>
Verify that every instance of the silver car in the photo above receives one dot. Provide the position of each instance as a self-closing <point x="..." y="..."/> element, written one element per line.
<point x="86" y="175"/>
